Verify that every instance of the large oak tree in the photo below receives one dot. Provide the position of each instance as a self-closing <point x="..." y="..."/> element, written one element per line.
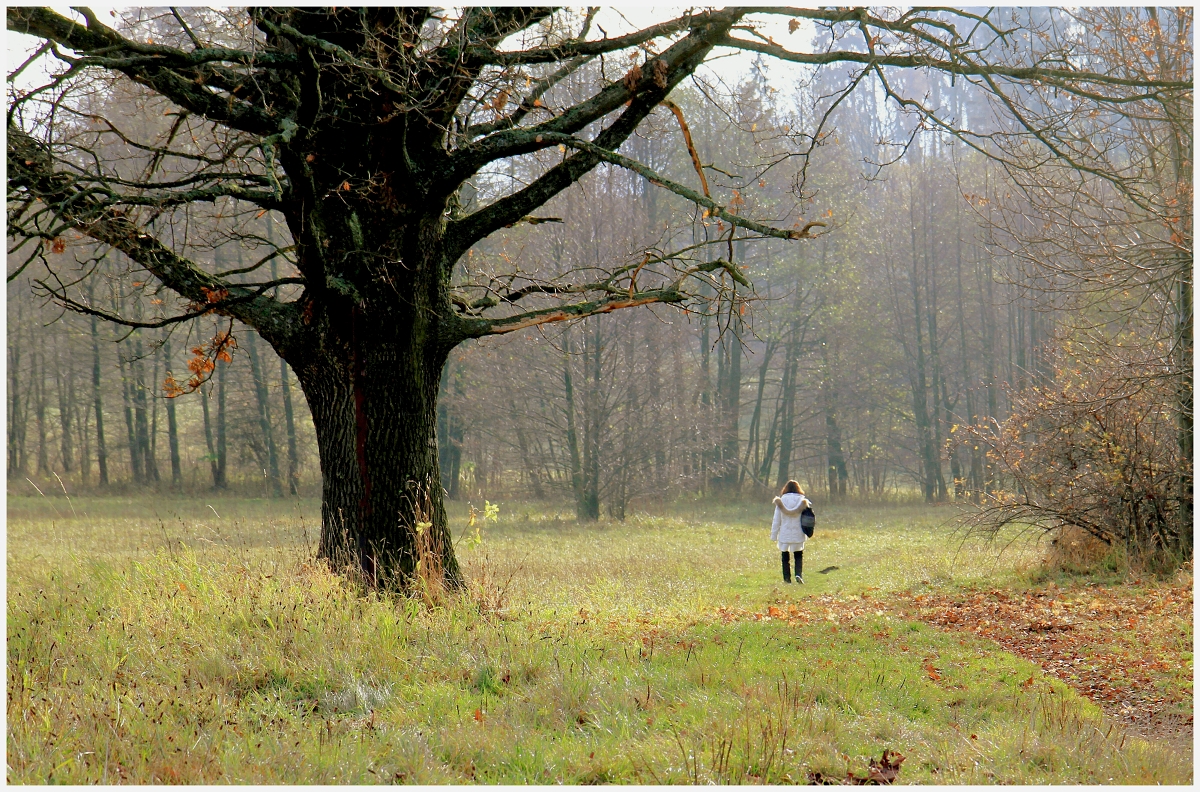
<point x="374" y="134"/>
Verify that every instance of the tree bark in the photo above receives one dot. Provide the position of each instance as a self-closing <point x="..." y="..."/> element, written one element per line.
<point x="372" y="388"/>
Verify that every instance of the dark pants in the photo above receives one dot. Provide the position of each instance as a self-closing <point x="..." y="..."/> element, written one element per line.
<point x="787" y="572"/>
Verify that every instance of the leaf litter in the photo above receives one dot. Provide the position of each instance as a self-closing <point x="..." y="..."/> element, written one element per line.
<point x="1128" y="648"/>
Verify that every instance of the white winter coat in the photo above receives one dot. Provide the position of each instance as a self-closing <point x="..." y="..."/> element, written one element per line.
<point x="785" y="527"/>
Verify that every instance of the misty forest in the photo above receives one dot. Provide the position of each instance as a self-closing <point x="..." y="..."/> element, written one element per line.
<point x="404" y="394"/>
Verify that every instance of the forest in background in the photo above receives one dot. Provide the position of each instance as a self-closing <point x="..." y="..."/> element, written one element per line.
<point x="954" y="323"/>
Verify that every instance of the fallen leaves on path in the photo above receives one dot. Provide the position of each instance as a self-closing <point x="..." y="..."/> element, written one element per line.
<point x="1127" y="648"/>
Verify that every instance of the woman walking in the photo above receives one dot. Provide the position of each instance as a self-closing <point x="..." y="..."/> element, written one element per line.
<point x="786" y="530"/>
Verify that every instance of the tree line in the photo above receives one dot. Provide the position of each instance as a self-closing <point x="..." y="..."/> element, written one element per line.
<point x="901" y="269"/>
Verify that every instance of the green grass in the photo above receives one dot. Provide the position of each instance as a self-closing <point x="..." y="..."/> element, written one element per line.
<point x="161" y="641"/>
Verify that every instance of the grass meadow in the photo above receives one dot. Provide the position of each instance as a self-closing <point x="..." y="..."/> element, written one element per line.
<point x="161" y="640"/>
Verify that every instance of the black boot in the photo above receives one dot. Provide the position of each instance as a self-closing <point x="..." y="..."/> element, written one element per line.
<point x="787" y="570"/>
<point x="799" y="565"/>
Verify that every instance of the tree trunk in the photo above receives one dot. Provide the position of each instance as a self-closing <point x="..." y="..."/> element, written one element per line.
<point x="929" y="455"/>
<point x="527" y="467"/>
<point x="221" y="482"/>
<point x="729" y="395"/>
<point x="593" y="351"/>
<point x="64" y="387"/>
<point x="836" y="461"/>
<point x="16" y="410"/>
<point x="135" y="459"/>
<point x="289" y="420"/>
<point x="141" y="418"/>
<point x="787" y="421"/>
<point x="97" y="399"/>
<point x="372" y="389"/>
<point x="285" y="384"/>
<point x="450" y="431"/>
<point x="38" y="378"/>
<point x="752" y="444"/>
<point x="264" y="413"/>
<point x="208" y="437"/>
<point x="172" y="424"/>
<point x="572" y="433"/>
<point x="935" y="356"/>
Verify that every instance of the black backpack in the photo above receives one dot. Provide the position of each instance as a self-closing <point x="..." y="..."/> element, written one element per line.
<point x="808" y="520"/>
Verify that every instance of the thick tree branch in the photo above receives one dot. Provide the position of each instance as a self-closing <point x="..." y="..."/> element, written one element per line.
<point x="153" y="66"/>
<point x="479" y="327"/>
<point x="659" y="77"/>
<point x="31" y="171"/>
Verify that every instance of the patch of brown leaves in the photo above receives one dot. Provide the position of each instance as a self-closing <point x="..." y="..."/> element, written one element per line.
<point x="880" y="771"/>
<point x="1121" y="646"/>
<point x="1125" y="647"/>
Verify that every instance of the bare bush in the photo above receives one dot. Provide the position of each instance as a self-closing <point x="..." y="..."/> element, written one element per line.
<point x="1093" y="450"/>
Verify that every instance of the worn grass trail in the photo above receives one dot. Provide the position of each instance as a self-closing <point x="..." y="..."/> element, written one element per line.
<point x="195" y="640"/>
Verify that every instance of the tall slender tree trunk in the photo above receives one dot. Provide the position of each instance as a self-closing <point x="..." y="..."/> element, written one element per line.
<point x="16" y="409"/>
<point x="935" y="356"/>
<point x="141" y="417"/>
<point x="835" y="468"/>
<point x="989" y="360"/>
<point x="293" y="459"/>
<point x="135" y="457"/>
<point x="208" y="436"/>
<point x="98" y="398"/>
<point x="450" y="429"/>
<point x="172" y="424"/>
<point x="593" y="351"/>
<point x="572" y="433"/>
<point x="38" y="377"/>
<point x="730" y="391"/>
<point x="289" y="422"/>
<point x="81" y="417"/>
<point x="264" y="414"/>
<point x="975" y="476"/>
<point x="753" y="441"/>
<point x="929" y="457"/>
<point x="64" y="387"/>
<point x="221" y="481"/>
<point x="787" y="421"/>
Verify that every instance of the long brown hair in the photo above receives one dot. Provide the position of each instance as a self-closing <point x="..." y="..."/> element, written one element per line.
<point x="792" y="486"/>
